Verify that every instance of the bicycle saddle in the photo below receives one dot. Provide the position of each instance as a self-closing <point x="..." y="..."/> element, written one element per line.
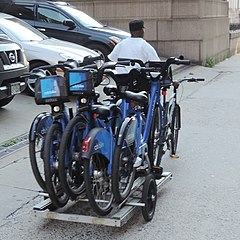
<point x="140" y="97"/>
<point x="103" y="111"/>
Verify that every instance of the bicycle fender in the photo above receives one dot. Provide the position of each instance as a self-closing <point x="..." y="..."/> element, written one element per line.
<point x="40" y="124"/>
<point x="98" y="140"/>
<point x="129" y="127"/>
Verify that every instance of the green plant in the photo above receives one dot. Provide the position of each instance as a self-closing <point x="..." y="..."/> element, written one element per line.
<point x="210" y="62"/>
<point x="9" y="143"/>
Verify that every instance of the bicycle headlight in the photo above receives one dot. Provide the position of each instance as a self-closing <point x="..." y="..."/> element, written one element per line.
<point x="56" y="109"/>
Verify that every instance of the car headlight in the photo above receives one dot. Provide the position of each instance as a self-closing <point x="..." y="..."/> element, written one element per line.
<point x="115" y="40"/>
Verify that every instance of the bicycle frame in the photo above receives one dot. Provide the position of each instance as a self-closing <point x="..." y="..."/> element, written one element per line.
<point x="143" y="135"/>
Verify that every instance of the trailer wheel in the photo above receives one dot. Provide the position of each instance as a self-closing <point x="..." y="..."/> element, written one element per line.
<point x="149" y="197"/>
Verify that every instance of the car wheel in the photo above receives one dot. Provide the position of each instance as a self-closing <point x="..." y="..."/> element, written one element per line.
<point x="30" y="84"/>
<point x="6" y="101"/>
<point x="102" y="50"/>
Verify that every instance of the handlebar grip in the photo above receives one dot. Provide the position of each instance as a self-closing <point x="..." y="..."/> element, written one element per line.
<point x="95" y="58"/>
<point x="184" y="62"/>
<point x="124" y="62"/>
<point x="90" y="59"/>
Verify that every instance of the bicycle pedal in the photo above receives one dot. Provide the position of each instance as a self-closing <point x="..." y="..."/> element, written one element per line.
<point x="174" y="156"/>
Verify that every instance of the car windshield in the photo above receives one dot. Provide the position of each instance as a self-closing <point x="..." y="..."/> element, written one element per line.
<point x="22" y="30"/>
<point x="82" y="17"/>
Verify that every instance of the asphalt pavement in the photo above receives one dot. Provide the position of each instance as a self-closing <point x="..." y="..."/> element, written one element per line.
<point x="201" y="201"/>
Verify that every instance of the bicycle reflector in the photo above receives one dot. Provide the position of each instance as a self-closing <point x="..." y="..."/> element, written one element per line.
<point x="86" y="144"/>
<point x="164" y="93"/>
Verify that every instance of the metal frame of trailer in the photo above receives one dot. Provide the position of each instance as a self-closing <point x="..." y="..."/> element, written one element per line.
<point x="118" y="217"/>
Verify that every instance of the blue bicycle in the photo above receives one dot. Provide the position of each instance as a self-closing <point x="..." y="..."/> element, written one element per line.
<point x="142" y="135"/>
<point x="99" y="145"/>
<point x="41" y="124"/>
<point x="82" y="83"/>
<point x="45" y="130"/>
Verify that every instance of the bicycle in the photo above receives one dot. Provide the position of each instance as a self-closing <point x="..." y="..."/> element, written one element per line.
<point x="145" y="130"/>
<point x="169" y="121"/>
<point x="82" y="84"/>
<point x="43" y="121"/>
<point x="41" y="124"/>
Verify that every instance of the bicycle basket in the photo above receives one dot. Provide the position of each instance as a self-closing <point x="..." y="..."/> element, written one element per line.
<point x="81" y="81"/>
<point x="50" y="89"/>
<point x="134" y="81"/>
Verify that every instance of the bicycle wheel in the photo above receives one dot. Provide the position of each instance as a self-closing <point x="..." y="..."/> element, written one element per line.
<point x="51" y="150"/>
<point x="98" y="184"/>
<point x="37" y="135"/>
<point x="175" y="126"/>
<point x="123" y="172"/>
<point x="70" y="164"/>
<point x="154" y="138"/>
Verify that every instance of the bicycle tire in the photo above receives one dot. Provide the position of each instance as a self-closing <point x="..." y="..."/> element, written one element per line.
<point x="154" y="138"/>
<point x="122" y="169"/>
<point x="51" y="150"/>
<point x="70" y="164"/>
<point x="175" y="126"/>
<point x="98" y="184"/>
<point x="36" y="144"/>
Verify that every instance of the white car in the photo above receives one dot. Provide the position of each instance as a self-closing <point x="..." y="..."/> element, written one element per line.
<point x="39" y="49"/>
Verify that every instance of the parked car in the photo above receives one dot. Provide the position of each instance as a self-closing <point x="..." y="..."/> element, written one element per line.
<point x="39" y="49"/>
<point x="13" y="64"/>
<point x="64" y="21"/>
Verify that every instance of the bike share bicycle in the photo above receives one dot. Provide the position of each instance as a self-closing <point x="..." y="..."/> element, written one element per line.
<point x="42" y="122"/>
<point x="141" y="138"/>
<point x="104" y="124"/>
<point x="82" y="82"/>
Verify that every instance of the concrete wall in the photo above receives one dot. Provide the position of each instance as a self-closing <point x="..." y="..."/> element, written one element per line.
<point x="197" y="29"/>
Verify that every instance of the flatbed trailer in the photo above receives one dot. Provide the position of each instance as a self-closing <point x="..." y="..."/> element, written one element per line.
<point x="120" y="214"/>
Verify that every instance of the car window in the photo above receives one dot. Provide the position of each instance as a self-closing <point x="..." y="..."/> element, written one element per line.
<point x="21" y="30"/>
<point x="21" y="11"/>
<point x="82" y="17"/>
<point x="50" y="16"/>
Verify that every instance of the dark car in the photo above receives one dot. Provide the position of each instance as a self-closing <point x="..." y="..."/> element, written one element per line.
<point x="64" y="21"/>
<point x="13" y="65"/>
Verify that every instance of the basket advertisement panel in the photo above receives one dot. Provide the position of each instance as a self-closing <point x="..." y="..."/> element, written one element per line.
<point x="80" y="82"/>
<point x="50" y="89"/>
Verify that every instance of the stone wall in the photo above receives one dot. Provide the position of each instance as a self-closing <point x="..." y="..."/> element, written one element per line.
<point x="197" y="29"/>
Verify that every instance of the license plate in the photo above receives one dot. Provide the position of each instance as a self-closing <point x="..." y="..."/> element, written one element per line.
<point x="15" y="88"/>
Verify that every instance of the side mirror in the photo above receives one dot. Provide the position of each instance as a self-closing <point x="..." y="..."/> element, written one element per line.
<point x="69" y="23"/>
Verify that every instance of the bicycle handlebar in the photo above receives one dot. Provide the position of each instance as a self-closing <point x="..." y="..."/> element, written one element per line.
<point x="89" y="60"/>
<point x="132" y="61"/>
